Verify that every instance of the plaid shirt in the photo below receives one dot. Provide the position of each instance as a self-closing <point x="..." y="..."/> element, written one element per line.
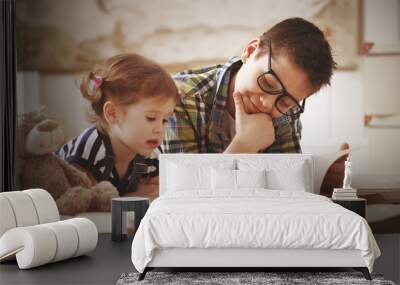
<point x="196" y="126"/>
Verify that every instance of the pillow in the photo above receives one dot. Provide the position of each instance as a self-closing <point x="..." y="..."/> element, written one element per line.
<point x="251" y="178"/>
<point x="236" y="179"/>
<point x="182" y="177"/>
<point x="223" y="179"/>
<point x="185" y="175"/>
<point x="282" y="173"/>
<point x="294" y="179"/>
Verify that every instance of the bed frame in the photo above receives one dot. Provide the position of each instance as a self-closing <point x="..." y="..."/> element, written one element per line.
<point x="247" y="258"/>
<point x="242" y="259"/>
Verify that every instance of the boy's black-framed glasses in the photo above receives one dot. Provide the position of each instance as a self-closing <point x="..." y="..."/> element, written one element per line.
<point x="270" y="84"/>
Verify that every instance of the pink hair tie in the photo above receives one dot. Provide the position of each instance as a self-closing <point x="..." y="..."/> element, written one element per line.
<point x="96" y="82"/>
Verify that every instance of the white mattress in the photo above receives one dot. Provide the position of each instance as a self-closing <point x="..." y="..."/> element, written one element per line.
<point x="252" y="218"/>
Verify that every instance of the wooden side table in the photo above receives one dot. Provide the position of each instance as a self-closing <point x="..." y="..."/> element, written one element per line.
<point x="119" y="207"/>
<point x="357" y="205"/>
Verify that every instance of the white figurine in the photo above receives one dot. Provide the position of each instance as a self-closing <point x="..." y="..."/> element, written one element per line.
<point x="347" y="174"/>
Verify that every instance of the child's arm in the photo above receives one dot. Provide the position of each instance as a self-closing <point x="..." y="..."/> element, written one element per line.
<point x="147" y="187"/>
<point x="145" y="190"/>
<point x="93" y="180"/>
<point x="150" y="180"/>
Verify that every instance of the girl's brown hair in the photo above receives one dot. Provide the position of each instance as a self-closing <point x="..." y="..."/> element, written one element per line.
<point x="125" y="78"/>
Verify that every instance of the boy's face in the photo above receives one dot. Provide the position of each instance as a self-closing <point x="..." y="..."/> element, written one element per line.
<point x="142" y="125"/>
<point x="292" y="77"/>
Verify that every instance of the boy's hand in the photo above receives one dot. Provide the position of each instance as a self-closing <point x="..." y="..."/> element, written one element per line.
<point x="254" y="132"/>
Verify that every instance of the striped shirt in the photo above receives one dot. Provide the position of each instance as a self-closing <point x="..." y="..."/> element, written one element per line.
<point x="92" y="150"/>
<point x="197" y="125"/>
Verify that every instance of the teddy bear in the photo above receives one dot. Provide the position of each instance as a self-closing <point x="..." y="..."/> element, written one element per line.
<point x="38" y="167"/>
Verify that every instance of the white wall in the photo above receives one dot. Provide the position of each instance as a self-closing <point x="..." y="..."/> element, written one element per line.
<point x="381" y="21"/>
<point x="28" y="88"/>
<point x="63" y="101"/>
<point x="336" y="115"/>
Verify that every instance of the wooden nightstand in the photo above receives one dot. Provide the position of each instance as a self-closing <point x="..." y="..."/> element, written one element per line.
<point x="357" y="205"/>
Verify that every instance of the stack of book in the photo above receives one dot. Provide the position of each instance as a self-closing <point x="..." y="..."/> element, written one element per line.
<point x="344" y="194"/>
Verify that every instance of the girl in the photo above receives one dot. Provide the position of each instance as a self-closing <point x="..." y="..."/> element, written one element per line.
<point x="132" y="99"/>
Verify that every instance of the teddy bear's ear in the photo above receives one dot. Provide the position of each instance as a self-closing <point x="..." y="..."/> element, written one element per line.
<point x="26" y="122"/>
<point x="46" y="137"/>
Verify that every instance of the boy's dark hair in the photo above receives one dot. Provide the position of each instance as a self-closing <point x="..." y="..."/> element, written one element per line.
<point x="307" y="46"/>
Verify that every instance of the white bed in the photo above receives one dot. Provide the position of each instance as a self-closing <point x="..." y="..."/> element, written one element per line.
<point x="247" y="210"/>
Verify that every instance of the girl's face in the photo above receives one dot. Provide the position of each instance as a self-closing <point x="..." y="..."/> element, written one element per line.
<point x="141" y="126"/>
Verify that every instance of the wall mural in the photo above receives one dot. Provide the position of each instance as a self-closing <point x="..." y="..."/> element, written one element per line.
<point x="68" y="37"/>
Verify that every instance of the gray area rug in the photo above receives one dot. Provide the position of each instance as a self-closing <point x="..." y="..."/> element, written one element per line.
<point x="225" y="278"/>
